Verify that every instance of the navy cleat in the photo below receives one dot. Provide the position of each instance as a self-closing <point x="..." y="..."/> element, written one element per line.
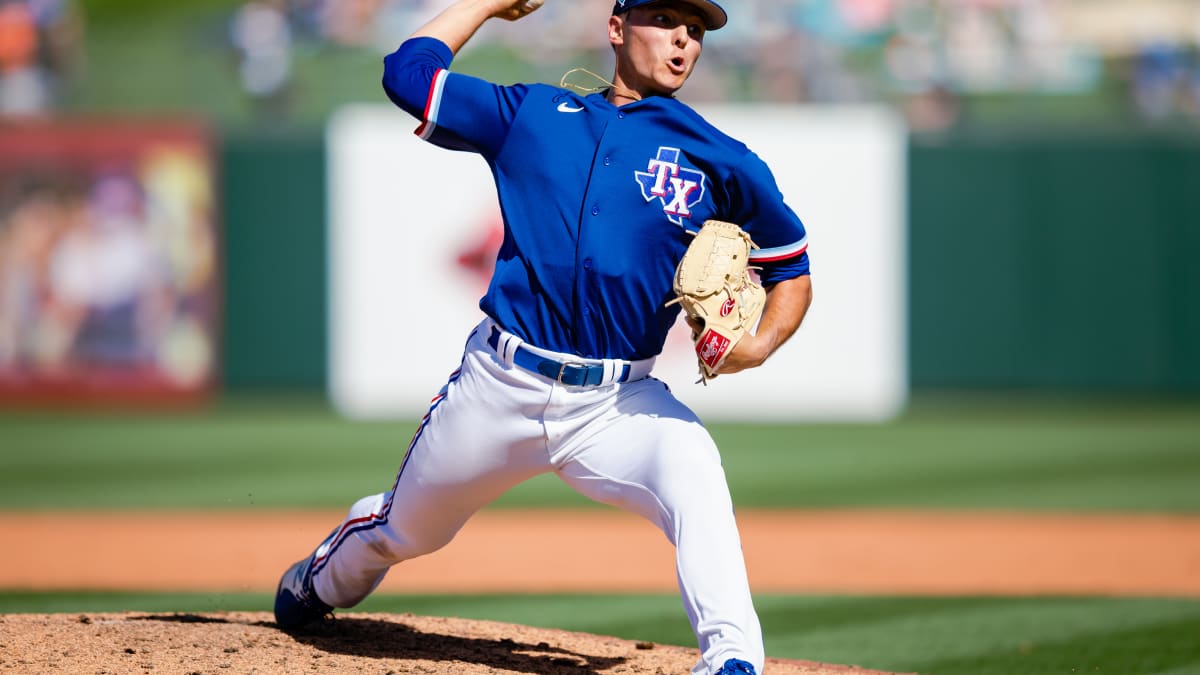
<point x="736" y="667"/>
<point x="296" y="603"/>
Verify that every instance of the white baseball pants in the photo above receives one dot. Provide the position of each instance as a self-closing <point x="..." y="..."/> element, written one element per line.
<point x="632" y="445"/>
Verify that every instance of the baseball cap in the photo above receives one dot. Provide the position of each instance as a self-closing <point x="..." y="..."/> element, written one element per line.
<point x="714" y="15"/>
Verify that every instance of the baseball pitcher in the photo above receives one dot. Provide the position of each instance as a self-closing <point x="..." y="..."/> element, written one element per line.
<point x="620" y="206"/>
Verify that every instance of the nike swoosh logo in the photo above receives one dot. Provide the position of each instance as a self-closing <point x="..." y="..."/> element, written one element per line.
<point x="566" y="107"/>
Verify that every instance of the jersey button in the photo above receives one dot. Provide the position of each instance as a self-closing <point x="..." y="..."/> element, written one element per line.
<point x="607" y="161"/>
<point x="587" y="265"/>
<point x="620" y="115"/>
<point x="595" y="210"/>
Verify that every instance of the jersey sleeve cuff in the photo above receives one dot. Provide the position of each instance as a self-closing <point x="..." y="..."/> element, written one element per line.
<point x="779" y="253"/>
<point x="433" y="105"/>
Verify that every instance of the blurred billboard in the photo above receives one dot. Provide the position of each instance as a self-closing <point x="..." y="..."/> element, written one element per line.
<point x="108" y="261"/>
<point x="414" y="231"/>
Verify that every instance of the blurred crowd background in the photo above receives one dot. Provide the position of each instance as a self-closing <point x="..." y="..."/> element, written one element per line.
<point x="941" y="62"/>
<point x="1052" y="144"/>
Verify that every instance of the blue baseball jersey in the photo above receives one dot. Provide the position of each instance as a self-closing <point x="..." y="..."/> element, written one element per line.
<point x="597" y="200"/>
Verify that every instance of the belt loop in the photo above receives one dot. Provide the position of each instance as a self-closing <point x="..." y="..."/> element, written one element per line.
<point x="508" y="347"/>
<point x="611" y="372"/>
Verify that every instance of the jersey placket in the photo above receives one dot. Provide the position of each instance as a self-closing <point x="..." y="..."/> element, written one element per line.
<point x="596" y="199"/>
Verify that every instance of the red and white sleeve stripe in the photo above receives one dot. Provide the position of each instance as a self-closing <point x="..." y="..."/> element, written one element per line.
<point x="433" y="104"/>
<point x="779" y="252"/>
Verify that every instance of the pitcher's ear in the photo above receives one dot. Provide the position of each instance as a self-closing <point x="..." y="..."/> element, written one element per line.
<point x="616" y="29"/>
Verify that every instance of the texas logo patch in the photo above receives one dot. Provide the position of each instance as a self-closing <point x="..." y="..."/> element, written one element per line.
<point x="678" y="188"/>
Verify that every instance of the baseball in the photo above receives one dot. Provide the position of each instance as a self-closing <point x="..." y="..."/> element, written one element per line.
<point x="520" y="9"/>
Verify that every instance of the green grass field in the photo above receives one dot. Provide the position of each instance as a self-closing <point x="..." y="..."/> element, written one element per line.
<point x="974" y="452"/>
<point x="952" y="452"/>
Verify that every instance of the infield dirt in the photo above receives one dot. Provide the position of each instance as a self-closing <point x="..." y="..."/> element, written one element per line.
<point x="867" y="552"/>
<point x="853" y="551"/>
<point x="239" y="642"/>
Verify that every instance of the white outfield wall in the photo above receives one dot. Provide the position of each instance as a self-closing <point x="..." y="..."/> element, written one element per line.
<point x="407" y="221"/>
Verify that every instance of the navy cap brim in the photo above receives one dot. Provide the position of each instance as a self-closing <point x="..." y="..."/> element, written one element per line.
<point x="714" y="15"/>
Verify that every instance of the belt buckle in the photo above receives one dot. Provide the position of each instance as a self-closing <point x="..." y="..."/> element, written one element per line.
<point x="562" y="369"/>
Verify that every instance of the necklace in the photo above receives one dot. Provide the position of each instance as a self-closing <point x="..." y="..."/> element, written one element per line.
<point x="616" y="91"/>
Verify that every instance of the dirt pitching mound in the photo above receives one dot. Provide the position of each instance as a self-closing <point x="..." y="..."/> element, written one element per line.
<point x="248" y="642"/>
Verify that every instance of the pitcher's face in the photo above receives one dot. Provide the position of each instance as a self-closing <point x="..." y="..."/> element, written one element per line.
<point x="657" y="46"/>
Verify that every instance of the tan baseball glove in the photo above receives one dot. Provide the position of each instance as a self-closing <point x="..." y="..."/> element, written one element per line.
<point x="718" y="295"/>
